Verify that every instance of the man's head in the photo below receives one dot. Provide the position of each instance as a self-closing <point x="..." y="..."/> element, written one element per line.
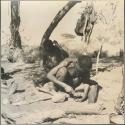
<point x="85" y="63"/>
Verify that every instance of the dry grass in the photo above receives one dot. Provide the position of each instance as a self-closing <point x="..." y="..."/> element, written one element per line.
<point x="27" y="55"/>
<point x="31" y="54"/>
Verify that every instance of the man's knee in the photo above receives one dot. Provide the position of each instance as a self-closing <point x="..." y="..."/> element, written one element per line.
<point x="86" y="86"/>
<point x="92" y="82"/>
<point x="93" y="93"/>
<point x="82" y="87"/>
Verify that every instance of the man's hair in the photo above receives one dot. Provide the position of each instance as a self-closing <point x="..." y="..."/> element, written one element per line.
<point x="85" y="62"/>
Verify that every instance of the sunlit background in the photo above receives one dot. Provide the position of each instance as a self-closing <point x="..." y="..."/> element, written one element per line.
<point x="37" y="15"/>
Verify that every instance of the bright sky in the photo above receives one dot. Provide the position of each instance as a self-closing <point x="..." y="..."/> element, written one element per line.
<point x="37" y="15"/>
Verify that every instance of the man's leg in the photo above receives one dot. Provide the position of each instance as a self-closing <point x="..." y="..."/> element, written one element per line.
<point x="86" y="90"/>
<point x="93" y="92"/>
<point x="82" y="91"/>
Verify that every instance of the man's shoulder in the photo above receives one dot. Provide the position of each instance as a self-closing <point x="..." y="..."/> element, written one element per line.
<point x="70" y="59"/>
<point x="67" y="61"/>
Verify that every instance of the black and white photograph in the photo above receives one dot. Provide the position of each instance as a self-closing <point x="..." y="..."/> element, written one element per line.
<point x="62" y="62"/>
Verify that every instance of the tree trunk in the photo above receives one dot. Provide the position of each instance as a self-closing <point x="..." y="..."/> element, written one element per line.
<point x="56" y="20"/>
<point x="15" y="49"/>
<point x="47" y="43"/>
<point x="15" y="23"/>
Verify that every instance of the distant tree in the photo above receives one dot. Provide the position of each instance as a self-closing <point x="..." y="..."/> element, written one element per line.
<point x="15" y="49"/>
<point x="86" y="22"/>
<point x="15" y="23"/>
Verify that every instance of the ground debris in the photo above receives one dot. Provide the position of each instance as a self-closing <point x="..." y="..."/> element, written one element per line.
<point x="55" y="115"/>
<point x="42" y="117"/>
<point x="29" y="99"/>
<point x="12" y="87"/>
<point x="85" y="109"/>
<point x="106" y="96"/>
<point x="41" y="89"/>
<point x="84" y="119"/>
<point x="68" y="121"/>
<point x="7" y="119"/>
<point x="59" y="97"/>
<point x="30" y="102"/>
<point x="116" y="119"/>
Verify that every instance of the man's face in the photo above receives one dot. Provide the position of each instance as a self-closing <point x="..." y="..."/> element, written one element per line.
<point x="82" y="69"/>
<point x="79" y="69"/>
<point x="72" y="68"/>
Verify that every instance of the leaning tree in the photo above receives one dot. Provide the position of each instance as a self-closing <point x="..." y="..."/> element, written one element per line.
<point x="47" y="46"/>
<point x="56" y="20"/>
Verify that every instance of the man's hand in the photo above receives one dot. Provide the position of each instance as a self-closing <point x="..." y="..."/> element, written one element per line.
<point x="69" y="90"/>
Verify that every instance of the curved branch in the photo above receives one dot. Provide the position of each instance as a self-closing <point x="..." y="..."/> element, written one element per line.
<point x="57" y="19"/>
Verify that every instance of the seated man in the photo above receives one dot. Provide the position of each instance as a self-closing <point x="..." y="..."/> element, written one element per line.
<point x="73" y="75"/>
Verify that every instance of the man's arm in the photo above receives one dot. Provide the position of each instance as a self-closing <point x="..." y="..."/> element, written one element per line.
<point x="51" y="75"/>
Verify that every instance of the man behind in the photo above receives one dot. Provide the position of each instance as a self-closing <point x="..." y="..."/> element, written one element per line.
<point x="72" y="74"/>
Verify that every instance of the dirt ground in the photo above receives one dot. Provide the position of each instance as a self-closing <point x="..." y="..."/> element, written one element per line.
<point x="110" y="80"/>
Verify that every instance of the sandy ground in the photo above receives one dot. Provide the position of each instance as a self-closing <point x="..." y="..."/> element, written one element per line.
<point x="110" y="81"/>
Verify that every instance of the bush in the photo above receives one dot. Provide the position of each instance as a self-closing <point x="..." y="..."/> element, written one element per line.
<point x="31" y="55"/>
